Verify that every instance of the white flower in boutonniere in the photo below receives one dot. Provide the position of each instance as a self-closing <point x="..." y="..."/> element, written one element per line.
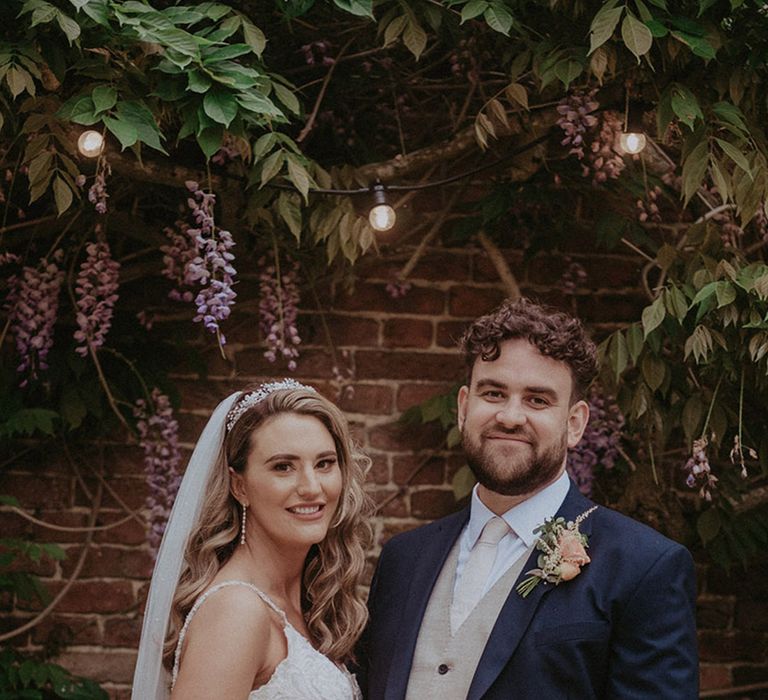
<point x="564" y="552"/>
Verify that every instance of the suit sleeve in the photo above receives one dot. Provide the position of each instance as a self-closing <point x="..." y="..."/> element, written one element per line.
<point x="653" y="649"/>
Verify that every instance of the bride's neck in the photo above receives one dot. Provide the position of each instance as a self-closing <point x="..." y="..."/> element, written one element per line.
<point x="276" y="570"/>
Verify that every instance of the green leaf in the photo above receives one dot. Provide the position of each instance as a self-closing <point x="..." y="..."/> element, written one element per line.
<point x="290" y="211"/>
<point x="287" y="97"/>
<point x="125" y="133"/>
<point x="603" y="25"/>
<point x="463" y="482"/>
<point x="138" y="115"/>
<point x="498" y="18"/>
<point x="394" y="29"/>
<point x="254" y="37"/>
<point x="698" y="44"/>
<point x="67" y="25"/>
<point x="299" y="176"/>
<point x="210" y="140"/>
<point x="643" y="11"/>
<point x="634" y="336"/>
<point x="28" y="421"/>
<point x="676" y="303"/>
<point x="693" y="414"/>
<point x="473" y="9"/>
<point x="197" y="81"/>
<point x="735" y="155"/>
<point x="725" y="292"/>
<point x="694" y="170"/>
<point x="719" y="180"/>
<point x="220" y="106"/>
<point x="704" y="293"/>
<point x="360" y="8"/>
<point x="104" y="97"/>
<point x="62" y="194"/>
<point x="17" y="82"/>
<point x="39" y="166"/>
<point x="224" y="53"/>
<point x="258" y="104"/>
<point x="271" y="166"/>
<point x="414" y="37"/>
<point x="654" y="371"/>
<point x="658" y="30"/>
<point x="652" y="316"/>
<point x="685" y="105"/>
<point x="618" y="354"/>
<point x="568" y="70"/>
<point x="80" y="111"/>
<point x="730" y="114"/>
<point x="637" y="37"/>
<point x="263" y="145"/>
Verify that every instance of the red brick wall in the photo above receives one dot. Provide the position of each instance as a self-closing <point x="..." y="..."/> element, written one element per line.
<point x="400" y="352"/>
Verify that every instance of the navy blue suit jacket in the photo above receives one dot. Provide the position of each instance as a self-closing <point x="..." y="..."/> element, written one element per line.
<point x="624" y="628"/>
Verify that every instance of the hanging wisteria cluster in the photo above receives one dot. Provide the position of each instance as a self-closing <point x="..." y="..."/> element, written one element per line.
<point x="159" y="438"/>
<point x="32" y="304"/>
<point x="97" y="193"/>
<point x="180" y="251"/>
<point x="199" y="256"/>
<point x="597" y="150"/>
<point x="576" y="119"/>
<point x="600" y="443"/>
<point x="95" y="296"/>
<point x="699" y="470"/>
<point x="604" y="161"/>
<point x="278" y="308"/>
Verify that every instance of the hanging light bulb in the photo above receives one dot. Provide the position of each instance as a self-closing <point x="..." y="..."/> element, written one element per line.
<point x="382" y="216"/>
<point x="632" y="142"/>
<point x="90" y="143"/>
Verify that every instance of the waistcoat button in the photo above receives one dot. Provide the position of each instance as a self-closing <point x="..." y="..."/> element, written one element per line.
<point x="442" y="669"/>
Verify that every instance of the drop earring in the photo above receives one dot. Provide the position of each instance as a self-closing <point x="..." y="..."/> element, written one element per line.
<point x="242" y="525"/>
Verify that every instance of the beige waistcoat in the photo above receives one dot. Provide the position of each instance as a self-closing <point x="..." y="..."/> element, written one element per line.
<point x="444" y="665"/>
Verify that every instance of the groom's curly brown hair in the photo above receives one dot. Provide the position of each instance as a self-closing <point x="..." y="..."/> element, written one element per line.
<point x="554" y="333"/>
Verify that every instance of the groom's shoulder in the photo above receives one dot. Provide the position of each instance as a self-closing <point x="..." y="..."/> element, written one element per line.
<point x="638" y="540"/>
<point x="422" y="535"/>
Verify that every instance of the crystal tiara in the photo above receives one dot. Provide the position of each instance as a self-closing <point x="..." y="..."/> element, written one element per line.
<point x="254" y="397"/>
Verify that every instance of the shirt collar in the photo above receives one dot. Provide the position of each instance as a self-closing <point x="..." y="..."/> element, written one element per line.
<point x="523" y="518"/>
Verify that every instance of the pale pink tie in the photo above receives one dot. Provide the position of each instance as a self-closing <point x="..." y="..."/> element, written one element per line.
<point x="476" y="571"/>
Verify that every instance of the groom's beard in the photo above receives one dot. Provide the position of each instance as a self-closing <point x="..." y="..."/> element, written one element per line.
<point x="518" y="471"/>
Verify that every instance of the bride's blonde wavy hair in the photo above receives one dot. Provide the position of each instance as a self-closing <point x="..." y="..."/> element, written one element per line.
<point x="333" y="605"/>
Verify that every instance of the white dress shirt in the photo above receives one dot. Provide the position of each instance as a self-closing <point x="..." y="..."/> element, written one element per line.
<point x="522" y="519"/>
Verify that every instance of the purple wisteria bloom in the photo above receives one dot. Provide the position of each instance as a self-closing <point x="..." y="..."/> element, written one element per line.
<point x="202" y="252"/>
<point x="32" y="304"/>
<point x="576" y="119"/>
<point x="95" y="297"/>
<point x="600" y="443"/>
<point x="159" y="438"/>
<point x="97" y="193"/>
<point x="278" y="310"/>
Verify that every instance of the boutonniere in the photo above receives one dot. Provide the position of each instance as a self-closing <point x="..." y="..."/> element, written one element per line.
<point x="564" y="552"/>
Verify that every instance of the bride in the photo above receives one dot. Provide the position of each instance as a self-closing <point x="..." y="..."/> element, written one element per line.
<point x="255" y="593"/>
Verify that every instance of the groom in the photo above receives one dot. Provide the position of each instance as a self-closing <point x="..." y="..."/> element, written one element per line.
<point x="614" y="620"/>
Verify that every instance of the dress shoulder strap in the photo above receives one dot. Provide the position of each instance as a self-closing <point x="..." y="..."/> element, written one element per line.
<point x="224" y="584"/>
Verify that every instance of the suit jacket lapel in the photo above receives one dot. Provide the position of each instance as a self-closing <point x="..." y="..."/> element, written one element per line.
<point x="428" y="567"/>
<point x="517" y="612"/>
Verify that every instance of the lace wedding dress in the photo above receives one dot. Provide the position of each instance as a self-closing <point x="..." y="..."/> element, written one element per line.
<point x="304" y="674"/>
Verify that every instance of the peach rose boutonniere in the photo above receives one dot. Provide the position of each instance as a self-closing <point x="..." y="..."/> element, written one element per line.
<point x="564" y="552"/>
